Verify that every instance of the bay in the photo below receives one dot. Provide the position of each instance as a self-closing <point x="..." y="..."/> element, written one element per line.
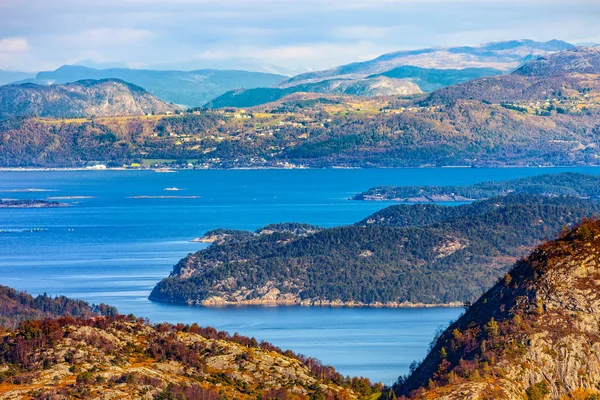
<point x="122" y="236"/>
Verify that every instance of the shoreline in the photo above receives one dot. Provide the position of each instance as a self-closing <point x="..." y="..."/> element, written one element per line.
<point x="309" y="303"/>
<point x="333" y="167"/>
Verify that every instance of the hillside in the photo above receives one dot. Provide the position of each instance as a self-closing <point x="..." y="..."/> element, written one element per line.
<point x="581" y="60"/>
<point x="415" y="254"/>
<point x="375" y="86"/>
<point x="102" y="98"/>
<point x="505" y="56"/>
<point x="400" y="73"/>
<point x="534" y="335"/>
<point x="564" y="184"/>
<point x="429" y="79"/>
<point x="188" y="88"/>
<point x="127" y="358"/>
<point x="569" y="77"/>
<point x="512" y="120"/>
<point x="16" y="307"/>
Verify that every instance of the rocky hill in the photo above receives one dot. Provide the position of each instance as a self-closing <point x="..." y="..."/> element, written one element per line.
<point x="570" y="74"/>
<point x="89" y="98"/>
<point x="534" y="335"/>
<point x="127" y="358"/>
<point x="401" y="256"/>
<point x="581" y="60"/>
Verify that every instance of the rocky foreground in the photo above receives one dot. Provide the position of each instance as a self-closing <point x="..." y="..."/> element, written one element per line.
<point x="126" y="358"/>
<point x="534" y="335"/>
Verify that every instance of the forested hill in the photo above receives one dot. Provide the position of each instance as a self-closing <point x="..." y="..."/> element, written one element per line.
<point x="16" y="307"/>
<point x="534" y="335"/>
<point x="563" y="184"/>
<point x="393" y="261"/>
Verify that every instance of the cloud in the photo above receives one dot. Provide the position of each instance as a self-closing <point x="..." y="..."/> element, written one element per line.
<point x="292" y="33"/>
<point x="105" y="37"/>
<point x="13" y="45"/>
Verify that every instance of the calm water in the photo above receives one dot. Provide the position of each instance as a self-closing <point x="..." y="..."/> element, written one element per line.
<point x="113" y="248"/>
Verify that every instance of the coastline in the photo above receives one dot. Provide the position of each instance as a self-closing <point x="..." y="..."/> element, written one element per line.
<point x="214" y="303"/>
<point x="175" y="169"/>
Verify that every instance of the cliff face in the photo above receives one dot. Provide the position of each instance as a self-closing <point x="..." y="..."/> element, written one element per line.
<point x="533" y="335"/>
<point x="102" y="98"/>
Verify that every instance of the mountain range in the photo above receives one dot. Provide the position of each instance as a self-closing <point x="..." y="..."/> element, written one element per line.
<point x="14" y="76"/>
<point x="246" y="83"/>
<point x="545" y="113"/>
<point x="505" y="56"/>
<point x="186" y="88"/>
<point x="407" y="72"/>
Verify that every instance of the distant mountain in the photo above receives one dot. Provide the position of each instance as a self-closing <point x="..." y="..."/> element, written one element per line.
<point x="429" y="79"/>
<point x="503" y="56"/>
<point x="569" y="73"/>
<point x="580" y="60"/>
<point x="533" y="336"/>
<point x="508" y="120"/>
<point x="13" y="76"/>
<point x="375" y="86"/>
<point x="187" y="88"/>
<point x="233" y="63"/>
<point x="404" y="254"/>
<point x="99" y="98"/>
<point x="407" y="72"/>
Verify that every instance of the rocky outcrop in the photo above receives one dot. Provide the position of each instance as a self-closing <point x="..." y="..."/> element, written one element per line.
<point x="89" y="98"/>
<point x="534" y="335"/>
<point x="125" y="358"/>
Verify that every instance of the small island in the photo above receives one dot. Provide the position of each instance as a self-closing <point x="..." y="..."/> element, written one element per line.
<point x="11" y="203"/>
<point x="564" y="184"/>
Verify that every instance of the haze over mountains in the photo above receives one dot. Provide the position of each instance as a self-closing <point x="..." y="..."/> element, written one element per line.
<point x="408" y="72"/>
<point x="249" y="82"/>
<point x="187" y="88"/>
<point x="504" y="56"/>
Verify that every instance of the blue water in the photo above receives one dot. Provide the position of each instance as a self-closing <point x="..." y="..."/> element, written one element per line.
<point x="112" y="248"/>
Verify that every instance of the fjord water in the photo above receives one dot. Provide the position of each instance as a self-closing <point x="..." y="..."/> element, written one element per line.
<point x="112" y="247"/>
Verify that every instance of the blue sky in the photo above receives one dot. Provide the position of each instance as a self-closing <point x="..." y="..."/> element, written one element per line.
<point x="296" y="34"/>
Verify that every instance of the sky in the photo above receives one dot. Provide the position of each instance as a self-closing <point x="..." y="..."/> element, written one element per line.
<point x="297" y="35"/>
